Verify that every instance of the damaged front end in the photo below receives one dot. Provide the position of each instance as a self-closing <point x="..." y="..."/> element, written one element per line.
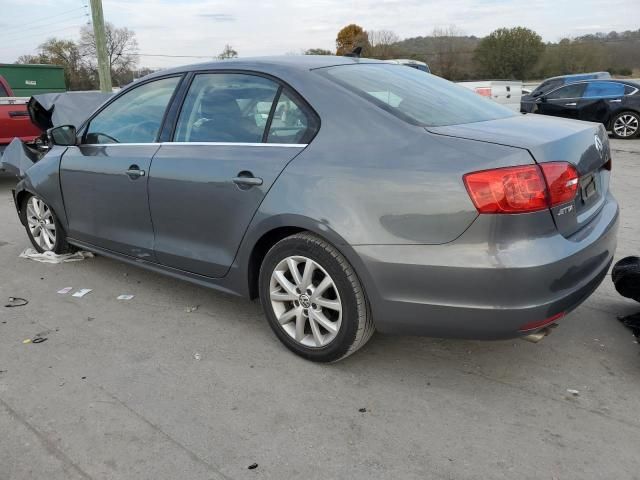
<point x="48" y="111"/>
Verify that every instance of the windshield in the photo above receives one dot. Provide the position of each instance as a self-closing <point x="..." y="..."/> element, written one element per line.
<point x="416" y="97"/>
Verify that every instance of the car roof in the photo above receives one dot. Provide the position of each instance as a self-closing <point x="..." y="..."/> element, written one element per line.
<point x="595" y="75"/>
<point x="302" y="62"/>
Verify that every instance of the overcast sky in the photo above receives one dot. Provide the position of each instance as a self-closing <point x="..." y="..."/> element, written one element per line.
<point x="267" y="27"/>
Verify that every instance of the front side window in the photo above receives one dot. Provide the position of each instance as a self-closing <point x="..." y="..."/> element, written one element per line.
<point x="574" y="90"/>
<point x="604" y="90"/>
<point x="417" y="98"/>
<point x="135" y="116"/>
<point x="226" y="107"/>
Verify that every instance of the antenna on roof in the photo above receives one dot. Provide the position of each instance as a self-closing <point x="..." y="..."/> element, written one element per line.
<point x="356" y="52"/>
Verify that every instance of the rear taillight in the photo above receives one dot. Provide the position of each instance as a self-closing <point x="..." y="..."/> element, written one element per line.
<point x="562" y="180"/>
<point x="522" y="189"/>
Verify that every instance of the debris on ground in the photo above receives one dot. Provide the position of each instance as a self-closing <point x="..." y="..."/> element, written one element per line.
<point x="50" y="257"/>
<point x="253" y="466"/>
<point x="81" y="293"/>
<point x="573" y="392"/>
<point x="16" y="302"/>
<point x="197" y="356"/>
<point x="191" y="309"/>
<point x="38" y="338"/>
<point x="632" y="322"/>
<point x="125" y="297"/>
<point x="362" y="410"/>
<point x="65" y="290"/>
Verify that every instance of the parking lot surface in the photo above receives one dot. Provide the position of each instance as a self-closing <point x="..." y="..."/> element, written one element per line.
<point x="143" y="389"/>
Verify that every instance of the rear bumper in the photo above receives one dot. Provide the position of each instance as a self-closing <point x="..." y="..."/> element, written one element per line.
<point x="481" y="287"/>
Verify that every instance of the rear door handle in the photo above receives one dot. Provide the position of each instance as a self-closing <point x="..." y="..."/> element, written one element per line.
<point x="246" y="179"/>
<point x="571" y="104"/>
<point x="135" y="172"/>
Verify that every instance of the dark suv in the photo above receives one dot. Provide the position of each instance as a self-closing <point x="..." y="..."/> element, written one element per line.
<point x="614" y="103"/>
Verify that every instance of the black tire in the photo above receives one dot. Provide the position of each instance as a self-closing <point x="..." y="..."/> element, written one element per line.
<point x="622" y="114"/>
<point x="60" y="246"/>
<point x="356" y="326"/>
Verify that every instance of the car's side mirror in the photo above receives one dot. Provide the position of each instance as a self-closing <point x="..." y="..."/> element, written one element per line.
<point x="541" y="99"/>
<point x="64" y="135"/>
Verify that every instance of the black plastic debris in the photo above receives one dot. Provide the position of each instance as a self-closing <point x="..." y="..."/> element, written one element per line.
<point x="362" y="410"/>
<point x="632" y="322"/>
<point x="626" y="277"/>
<point x="38" y="339"/>
<point x="253" y="466"/>
<point x="16" y="302"/>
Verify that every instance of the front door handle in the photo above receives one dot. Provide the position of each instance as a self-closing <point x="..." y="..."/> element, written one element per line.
<point x="135" y="172"/>
<point x="571" y="104"/>
<point x="617" y="100"/>
<point x="246" y="179"/>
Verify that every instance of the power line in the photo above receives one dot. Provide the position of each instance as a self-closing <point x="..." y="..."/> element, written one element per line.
<point x="38" y="30"/>
<point x="171" y="56"/>
<point x="34" y="40"/>
<point x="22" y="25"/>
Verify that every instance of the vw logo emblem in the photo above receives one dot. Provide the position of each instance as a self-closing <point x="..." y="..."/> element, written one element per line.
<point x="305" y="301"/>
<point x="598" y="144"/>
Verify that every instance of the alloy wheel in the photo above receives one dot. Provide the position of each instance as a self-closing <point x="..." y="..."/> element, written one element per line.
<point x="305" y="301"/>
<point x="41" y="224"/>
<point x="626" y="125"/>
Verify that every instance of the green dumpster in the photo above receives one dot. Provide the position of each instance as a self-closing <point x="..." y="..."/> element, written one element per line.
<point x="28" y="80"/>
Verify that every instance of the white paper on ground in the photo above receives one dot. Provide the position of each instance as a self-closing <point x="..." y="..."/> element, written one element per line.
<point x="50" y="257"/>
<point x="125" y="297"/>
<point x="81" y="293"/>
<point x="65" y="290"/>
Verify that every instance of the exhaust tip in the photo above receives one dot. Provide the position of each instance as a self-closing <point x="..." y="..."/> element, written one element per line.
<point x="536" y="337"/>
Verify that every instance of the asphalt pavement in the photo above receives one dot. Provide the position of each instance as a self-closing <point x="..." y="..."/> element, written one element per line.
<point x="150" y="388"/>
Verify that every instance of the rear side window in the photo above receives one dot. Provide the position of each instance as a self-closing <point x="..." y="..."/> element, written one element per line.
<point x="3" y="91"/>
<point x="226" y="107"/>
<point x="291" y="123"/>
<point x="604" y="90"/>
<point x="629" y="90"/>
<point x="575" y="90"/>
<point x="417" y="98"/>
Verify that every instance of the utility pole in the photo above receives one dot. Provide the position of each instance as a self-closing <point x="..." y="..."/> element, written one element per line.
<point x="104" y="69"/>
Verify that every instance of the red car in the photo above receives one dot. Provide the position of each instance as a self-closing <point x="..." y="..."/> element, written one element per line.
<point x="14" y="117"/>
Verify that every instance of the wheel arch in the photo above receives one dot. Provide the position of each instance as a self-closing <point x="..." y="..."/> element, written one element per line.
<point x="275" y="229"/>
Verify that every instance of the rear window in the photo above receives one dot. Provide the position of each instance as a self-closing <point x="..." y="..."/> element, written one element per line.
<point x="417" y="98"/>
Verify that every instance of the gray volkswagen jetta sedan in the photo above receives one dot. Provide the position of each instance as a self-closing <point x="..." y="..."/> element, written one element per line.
<point x="349" y="195"/>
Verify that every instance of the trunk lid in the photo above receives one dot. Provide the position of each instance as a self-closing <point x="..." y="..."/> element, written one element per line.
<point x="549" y="139"/>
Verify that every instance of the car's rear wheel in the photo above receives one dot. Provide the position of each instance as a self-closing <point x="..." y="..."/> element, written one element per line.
<point x="626" y="125"/>
<point x="42" y="225"/>
<point x="313" y="299"/>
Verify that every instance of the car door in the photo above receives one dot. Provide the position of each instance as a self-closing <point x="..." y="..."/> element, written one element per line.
<point x="562" y="102"/>
<point x="599" y="99"/>
<point x="234" y="134"/>
<point x="104" y="179"/>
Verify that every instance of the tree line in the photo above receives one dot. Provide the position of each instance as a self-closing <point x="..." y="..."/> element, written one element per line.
<point x="509" y="53"/>
<point x="79" y="58"/>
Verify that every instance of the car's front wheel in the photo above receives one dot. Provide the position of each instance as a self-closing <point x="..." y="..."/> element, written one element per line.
<point x="626" y="125"/>
<point x="42" y="225"/>
<point x="313" y="299"/>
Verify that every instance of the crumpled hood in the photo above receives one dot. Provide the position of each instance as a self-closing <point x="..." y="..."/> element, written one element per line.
<point x="70" y="108"/>
<point x="18" y="158"/>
